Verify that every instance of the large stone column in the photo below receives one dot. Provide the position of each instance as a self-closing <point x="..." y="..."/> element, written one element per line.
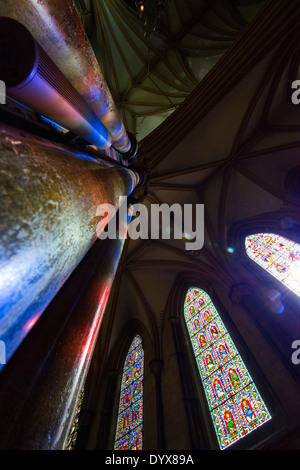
<point x="48" y="222"/>
<point x="56" y="26"/>
<point x="40" y="385"/>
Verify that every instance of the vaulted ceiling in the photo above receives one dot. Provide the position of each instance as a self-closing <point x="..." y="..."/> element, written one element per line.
<point x="152" y="61"/>
<point x="230" y="144"/>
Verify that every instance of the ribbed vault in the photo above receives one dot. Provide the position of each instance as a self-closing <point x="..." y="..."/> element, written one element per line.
<point x="153" y="61"/>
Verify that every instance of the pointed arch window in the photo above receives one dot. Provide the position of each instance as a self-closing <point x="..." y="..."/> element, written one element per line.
<point x="130" y="414"/>
<point x="279" y="256"/>
<point x="235" y="404"/>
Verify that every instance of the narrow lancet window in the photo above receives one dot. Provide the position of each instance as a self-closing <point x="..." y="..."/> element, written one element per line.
<point x="278" y="256"/>
<point x="72" y="438"/>
<point x="235" y="404"/>
<point x="130" y="414"/>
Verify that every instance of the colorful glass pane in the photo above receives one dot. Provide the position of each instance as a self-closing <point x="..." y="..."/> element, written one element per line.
<point x="235" y="404"/>
<point x="278" y="255"/>
<point x="75" y="426"/>
<point x="130" y="415"/>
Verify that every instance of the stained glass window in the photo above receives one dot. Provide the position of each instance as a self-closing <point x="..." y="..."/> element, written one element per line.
<point x="278" y="255"/>
<point x="235" y="404"/>
<point x="130" y="414"/>
<point x="75" y="426"/>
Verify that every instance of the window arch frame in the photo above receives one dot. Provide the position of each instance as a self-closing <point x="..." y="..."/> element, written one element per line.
<point x="120" y="389"/>
<point x="235" y="337"/>
<point x="202" y="432"/>
<point x="271" y="222"/>
<point x="264" y="223"/>
<point x="264" y="268"/>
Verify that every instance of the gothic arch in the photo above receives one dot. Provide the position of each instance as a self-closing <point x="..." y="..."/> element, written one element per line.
<point x="104" y="424"/>
<point x="123" y="342"/>
<point x="200" y="424"/>
<point x="280" y="329"/>
<point x="285" y="223"/>
<point x="129" y="421"/>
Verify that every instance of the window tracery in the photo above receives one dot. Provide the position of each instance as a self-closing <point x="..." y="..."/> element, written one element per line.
<point x="279" y="256"/>
<point x="235" y="405"/>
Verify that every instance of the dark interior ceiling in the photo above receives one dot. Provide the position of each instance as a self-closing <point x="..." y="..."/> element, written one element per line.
<point x="152" y="62"/>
